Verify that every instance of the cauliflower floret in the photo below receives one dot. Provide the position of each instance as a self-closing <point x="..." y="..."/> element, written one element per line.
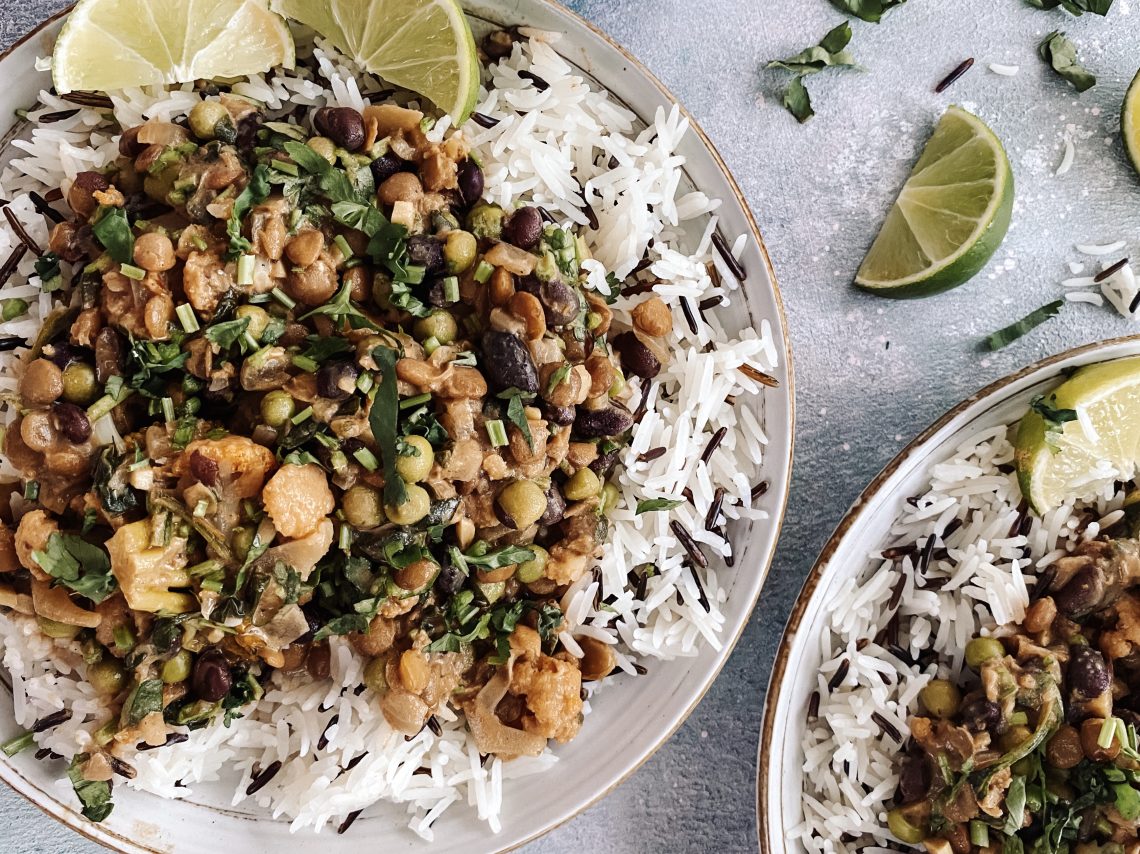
<point x="550" y="686"/>
<point x="297" y="498"/>
<point x="147" y="573"/>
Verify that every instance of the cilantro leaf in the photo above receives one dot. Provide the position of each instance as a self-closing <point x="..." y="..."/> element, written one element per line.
<point x="506" y="556"/>
<point x="382" y="418"/>
<point x="78" y="565"/>
<point x="227" y="333"/>
<point x="1008" y="334"/>
<point x="255" y="192"/>
<point x="331" y="181"/>
<point x="650" y="505"/>
<point x="340" y="307"/>
<point x="1061" y="54"/>
<point x="1054" y="418"/>
<point x="47" y="268"/>
<point x="516" y="413"/>
<point x="364" y="218"/>
<point x="146" y="699"/>
<point x="112" y="229"/>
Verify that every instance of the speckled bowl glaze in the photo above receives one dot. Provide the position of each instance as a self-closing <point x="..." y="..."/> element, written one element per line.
<point x="863" y="530"/>
<point x="633" y="717"/>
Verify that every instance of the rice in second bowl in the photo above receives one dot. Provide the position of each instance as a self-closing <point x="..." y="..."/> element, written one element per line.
<point x="630" y="177"/>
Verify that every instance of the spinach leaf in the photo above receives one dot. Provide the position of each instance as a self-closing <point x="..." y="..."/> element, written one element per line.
<point x="382" y="418"/>
<point x="1008" y="334"/>
<point x="649" y="505"/>
<point x="1075" y="7"/>
<point x="1014" y="806"/>
<point x="867" y="10"/>
<point x="506" y="556"/>
<point x="830" y="52"/>
<point x="1061" y="54"/>
<point x="78" y="565"/>
<point x="113" y="230"/>
<point x="94" y="795"/>
<point x="111" y="484"/>
<point x="146" y="699"/>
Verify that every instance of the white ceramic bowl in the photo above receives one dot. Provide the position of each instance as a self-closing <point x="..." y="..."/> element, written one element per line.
<point x="632" y="718"/>
<point x="863" y="530"/>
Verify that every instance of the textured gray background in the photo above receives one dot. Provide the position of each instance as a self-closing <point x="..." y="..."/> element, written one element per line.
<point x="870" y="373"/>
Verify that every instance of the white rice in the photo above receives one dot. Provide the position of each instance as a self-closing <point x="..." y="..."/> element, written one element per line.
<point x="983" y="580"/>
<point x="544" y="144"/>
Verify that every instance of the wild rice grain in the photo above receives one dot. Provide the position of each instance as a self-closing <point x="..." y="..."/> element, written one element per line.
<point x="927" y="553"/>
<point x="323" y="741"/>
<point x="726" y="254"/>
<point x="57" y="116"/>
<point x="484" y="121"/>
<point x="953" y="76"/>
<point x="546" y="215"/>
<point x="44" y="209"/>
<point x="651" y="454"/>
<point x="886" y="726"/>
<point x="10" y="265"/>
<point x="837" y="678"/>
<point x="639" y="669"/>
<point x="759" y="376"/>
<point x="687" y="309"/>
<point x="261" y="779"/>
<point x="702" y="597"/>
<point x="813" y="706"/>
<point x="18" y="227"/>
<point x="713" y="515"/>
<point x="896" y="593"/>
<point x="171" y="739"/>
<point x="689" y="544"/>
<point x="121" y="768"/>
<point x="89" y="99"/>
<point x="539" y="84"/>
<point x="347" y="823"/>
<point x="55" y="194"/>
<point x="1109" y="272"/>
<point x="759" y="489"/>
<point x="434" y="726"/>
<point x="713" y="444"/>
<point x="710" y="303"/>
<point x="53" y="720"/>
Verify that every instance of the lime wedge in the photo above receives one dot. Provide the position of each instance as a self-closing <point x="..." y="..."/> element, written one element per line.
<point x="950" y="217"/>
<point x="1061" y="457"/>
<point x="113" y="44"/>
<point x="422" y="45"/>
<point x="1130" y="122"/>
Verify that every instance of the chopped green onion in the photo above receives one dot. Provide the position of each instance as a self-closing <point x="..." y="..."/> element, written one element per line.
<point x="105" y="404"/>
<point x="1107" y="731"/>
<point x="132" y="272"/>
<point x="302" y="416"/>
<point x="249" y="341"/>
<point x="245" y="270"/>
<point x="450" y="289"/>
<point x="285" y="166"/>
<point x="124" y="637"/>
<point x="410" y="402"/>
<point x="187" y="317"/>
<point x="31" y="490"/>
<point x="366" y="458"/>
<point x="1018" y="719"/>
<point x="980" y="834"/>
<point x="214" y="585"/>
<point x="14" y="745"/>
<point x="344" y="539"/>
<point x="168" y="409"/>
<point x="200" y="508"/>
<point x="483" y="272"/>
<point x="497" y="433"/>
<point x="414" y="274"/>
<point x="198" y="243"/>
<point x="1008" y="334"/>
<point x="306" y="364"/>
<point x="206" y="567"/>
<point x="283" y="298"/>
<point x="364" y="382"/>
<point x="139" y="464"/>
<point x="431" y="344"/>
<point x="338" y="460"/>
<point x="343" y="246"/>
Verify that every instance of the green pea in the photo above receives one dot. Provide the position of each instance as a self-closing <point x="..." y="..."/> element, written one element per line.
<point x="941" y="698"/>
<point x="376" y="676"/>
<point x="363" y="507"/>
<point x="414" y="468"/>
<point x="584" y="484"/>
<point x="439" y="325"/>
<point x="611" y="495"/>
<point x="416" y="505"/>
<point x="177" y="668"/>
<point x="79" y="384"/>
<point x="277" y="408"/>
<point x="459" y="251"/>
<point x="107" y="677"/>
<point x="57" y="630"/>
<point x="521" y="504"/>
<point x="981" y="650"/>
<point x="211" y="120"/>
<point x="902" y="828"/>
<point x="258" y="319"/>
<point x="535" y="568"/>
<point x="324" y="146"/>
<point x="618" y="384"/>
<point x="486" y="221"/>
<point x="382" y="290"/>
<point x="443" y="222"/>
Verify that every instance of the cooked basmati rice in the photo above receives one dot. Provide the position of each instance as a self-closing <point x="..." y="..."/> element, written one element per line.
<point x="552" y="148"/>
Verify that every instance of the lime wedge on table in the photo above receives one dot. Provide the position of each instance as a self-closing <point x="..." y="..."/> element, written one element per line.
<point x="113" y="44"/>
<point x="1130" y="122"/>
<point x="1059" y="457"/>
<point x="951" y="216"/>
<point x="422" y="45"/>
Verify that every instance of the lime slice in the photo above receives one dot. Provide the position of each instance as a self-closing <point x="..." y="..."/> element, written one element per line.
<point x="113" y="44"/>
<point x="422" y="45"/>
<point x="1060" y="458"/>
<point x="949" y="219"/>
<point x="1130" y="122"/>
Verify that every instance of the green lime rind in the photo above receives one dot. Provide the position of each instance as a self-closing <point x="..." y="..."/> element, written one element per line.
<point x="1130" y="122"/>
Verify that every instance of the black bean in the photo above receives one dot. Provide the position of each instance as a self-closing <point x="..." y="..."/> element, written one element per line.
<point x="981" y="715"/>
<point x="498" y="44"/>
<point x="636" y="358"/>
<point x="247" y="128"/>
<point x="1082" y="594"/>
<point x="604" y="462"/>
<point x="560" y="303"/>
<point x="204" y="469"/>
<point x="915" y="778"/>
<point x="73" y="422"/>
<point x="449" y="580"/>
<point x="211" y="679"/>
<point x="61" y="353"/>
<point x="337" y="380"/>
<point x="507" y="362"/>
<point x="597" y="423"/>
<point x="385" y="166"/>
<point x="555" y="505"/>
<point x="426" y="252"/>
<point x="524" y="228"/>
<point x="129" y="145"/>
<point x="1088" y="672"/>
<point x="343" y="125"/>
<point x="470" y="182"/>
<point x="563" y="416"/>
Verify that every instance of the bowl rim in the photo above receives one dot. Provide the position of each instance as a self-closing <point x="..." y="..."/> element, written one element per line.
<point x="117" y="842"/>
<point x="991" y="392"/>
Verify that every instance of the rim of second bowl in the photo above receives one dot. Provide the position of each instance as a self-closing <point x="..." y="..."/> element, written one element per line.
<point x="71" y="819"/>
<point x="766" y="825"/>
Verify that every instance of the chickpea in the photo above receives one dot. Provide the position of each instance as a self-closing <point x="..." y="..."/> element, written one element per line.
<point x="313" y="285"/>
<point x="414" y="671"/>
<point x="416" y="505"/>
<point x="533" y="569"/>
<point x="653" y="317"/>
<point x="277" y="407"/>
<point x="177" y="668"/>
<point x="157" y="314"/>
<point x="154" y="252"/>
<point x="521" y="504"/>
<point x="401" y="187"/>
<point x="79" y="384"/>
<point x="439" y="325"/>
<point x="1064" y="749"/>
<point x="459" y="251"/>
<point x="211" y="120"/>
<point x="584" y="484"/>
<point x="258" y="319"/>
<point x="324" y="146"/>
<point x="305" y="247"/>
<point x="501" y="287"/>
<point x="981" y="650"/>
<point x="941" y="698"/>
<point x="37" y="431"/>
<point x="1090" y="736"/>
<point x="415" y="467"/>
<point x="363" y="507"/>
<point x="42" y="383"/>
<point x="417" y="575"/>
<point x="107" y="677"/>
<point x="359" y="281"/>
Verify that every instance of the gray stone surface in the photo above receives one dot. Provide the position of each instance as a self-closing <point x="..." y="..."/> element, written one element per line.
<point x="870" y="373"/>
